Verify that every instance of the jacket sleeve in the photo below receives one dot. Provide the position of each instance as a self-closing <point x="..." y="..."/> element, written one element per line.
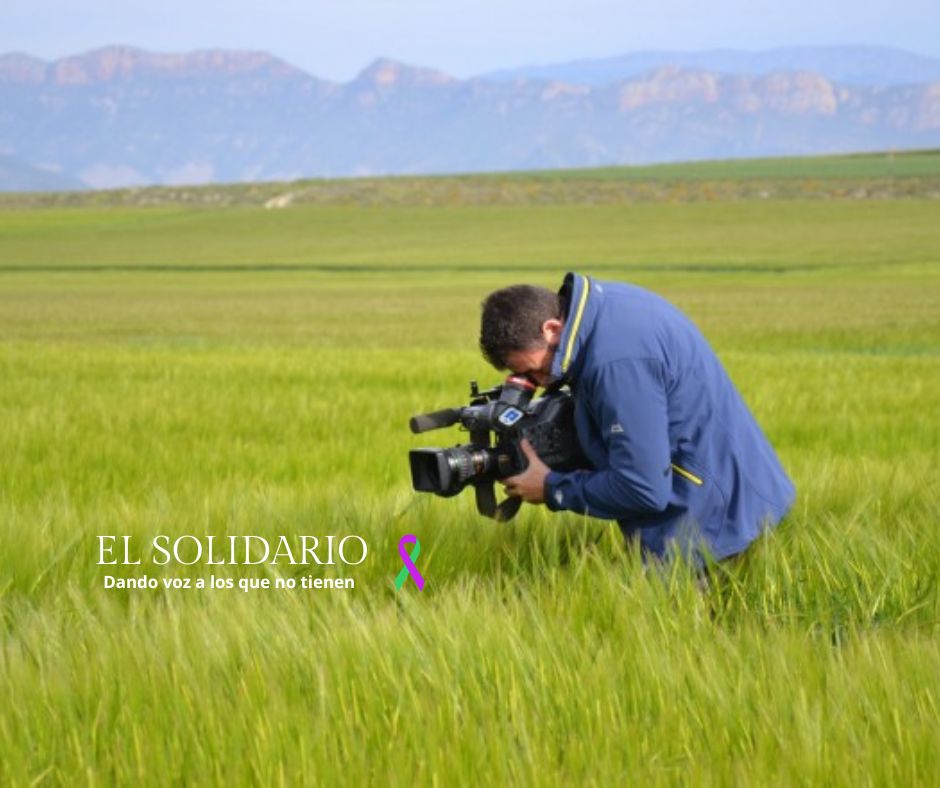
<point x="627" y="401"/>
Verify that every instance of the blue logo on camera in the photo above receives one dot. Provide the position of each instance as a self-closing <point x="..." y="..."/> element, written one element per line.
<point x="510" y="416"/>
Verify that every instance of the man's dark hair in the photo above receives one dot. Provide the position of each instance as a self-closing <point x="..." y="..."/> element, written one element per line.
<point x="512" y="320"/>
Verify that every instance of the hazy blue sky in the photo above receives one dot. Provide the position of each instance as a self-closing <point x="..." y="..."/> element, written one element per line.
<point x="337" y="38"/>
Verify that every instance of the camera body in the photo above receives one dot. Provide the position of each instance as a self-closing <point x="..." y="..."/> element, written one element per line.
<point x="497" y="420"/>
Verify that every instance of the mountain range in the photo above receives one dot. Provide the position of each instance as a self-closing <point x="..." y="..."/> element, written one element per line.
<point x="120" y="116"/>
<point x="848" y="65"/>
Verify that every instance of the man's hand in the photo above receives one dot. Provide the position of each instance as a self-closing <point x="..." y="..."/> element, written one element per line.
<point x="530" y="484"/>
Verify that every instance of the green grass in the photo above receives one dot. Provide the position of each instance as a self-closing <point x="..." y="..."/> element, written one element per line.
<point x="242" y="371"/>
<point x="645" y="237"/>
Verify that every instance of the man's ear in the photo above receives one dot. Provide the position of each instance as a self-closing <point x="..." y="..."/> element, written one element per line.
<point x="551" y="330"/>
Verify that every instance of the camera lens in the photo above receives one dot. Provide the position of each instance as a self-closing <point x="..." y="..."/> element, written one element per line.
<point x="447" y="471"/>
<point x="468" y="464"/>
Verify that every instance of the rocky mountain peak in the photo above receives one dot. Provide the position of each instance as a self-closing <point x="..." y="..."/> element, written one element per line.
<point x="669" y="85"/>
<point x="20" y="67"/>
<point x="386" y="72"/>
<point x="122" y="63"/>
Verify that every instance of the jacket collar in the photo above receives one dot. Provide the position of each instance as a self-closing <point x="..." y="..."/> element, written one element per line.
<point x="582" y="298"/>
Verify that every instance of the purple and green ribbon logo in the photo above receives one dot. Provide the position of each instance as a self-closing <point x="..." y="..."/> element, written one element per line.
<point x="408" y="560"/>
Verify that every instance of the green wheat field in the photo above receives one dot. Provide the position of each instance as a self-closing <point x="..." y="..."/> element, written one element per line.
<point x="173" y="361"/>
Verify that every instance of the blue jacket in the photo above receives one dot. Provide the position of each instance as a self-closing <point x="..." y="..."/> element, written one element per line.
<point x="679" y="458"/>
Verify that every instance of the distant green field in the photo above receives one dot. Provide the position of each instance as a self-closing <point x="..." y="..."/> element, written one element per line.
<point x="880" y="176"/>
<point x="228" y="371"/>
<point x="884" y="164"/>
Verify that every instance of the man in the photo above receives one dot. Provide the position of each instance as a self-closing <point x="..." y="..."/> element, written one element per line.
<point x="680" y="461"/>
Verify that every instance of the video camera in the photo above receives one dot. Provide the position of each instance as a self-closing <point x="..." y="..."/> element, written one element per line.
<point x="508" y="412"/>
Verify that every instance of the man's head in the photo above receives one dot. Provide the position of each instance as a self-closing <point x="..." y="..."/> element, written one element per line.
<point x="520" y="330"/>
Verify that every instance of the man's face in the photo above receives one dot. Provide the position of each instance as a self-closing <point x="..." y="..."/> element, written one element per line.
<point x="536" y="362"/>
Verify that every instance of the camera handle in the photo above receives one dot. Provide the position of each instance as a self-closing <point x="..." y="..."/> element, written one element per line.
<point x="487" y="506"/>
